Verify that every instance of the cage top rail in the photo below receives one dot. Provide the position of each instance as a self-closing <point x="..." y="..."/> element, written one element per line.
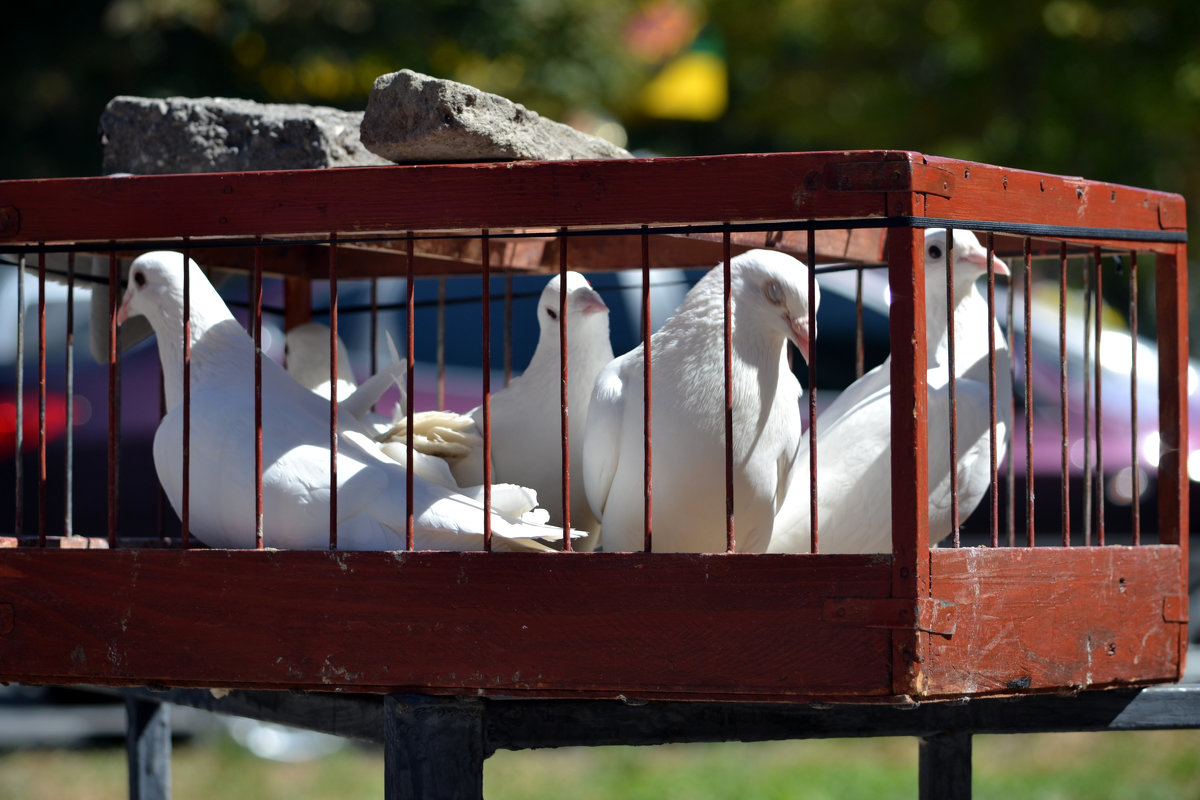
<point x="870" y="188"/>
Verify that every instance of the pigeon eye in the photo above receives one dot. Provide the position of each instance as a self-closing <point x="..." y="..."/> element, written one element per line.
<point x="553" y="314"/>
<point x="935" y="251"/>
<point x="774" y="292"/>
<point x="139" y="278"/>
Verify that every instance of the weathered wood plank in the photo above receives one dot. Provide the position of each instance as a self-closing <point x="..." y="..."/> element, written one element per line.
<point x="612" y="624"/>
<point x="994" y="193"/>
<point x="434" y="197"/>
<point x="1054" y="617"/>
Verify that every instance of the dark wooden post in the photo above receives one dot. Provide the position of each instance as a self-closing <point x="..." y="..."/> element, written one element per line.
<point x="433" y="748"/>
<point x="945" y="767"/>
<point x="148" y="749"/>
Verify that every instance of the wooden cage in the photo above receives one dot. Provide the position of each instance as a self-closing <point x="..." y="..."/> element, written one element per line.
<point x="109" y="605"/>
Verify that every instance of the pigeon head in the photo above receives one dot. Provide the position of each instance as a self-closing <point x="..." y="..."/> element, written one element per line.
<point x="970" y="260"/>
<point x="582" y="302"/>
<point x="773" y="287"/>
<point x="306" y="354"/>
<point x="155" y="291"/>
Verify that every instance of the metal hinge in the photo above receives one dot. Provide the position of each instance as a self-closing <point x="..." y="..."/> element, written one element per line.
<point x="1175" y="608"/>
<point x="1172" y="215"/>
<point x="932" y="616"/>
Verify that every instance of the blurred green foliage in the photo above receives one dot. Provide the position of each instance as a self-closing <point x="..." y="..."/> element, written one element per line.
<point x="1108" y="90"/>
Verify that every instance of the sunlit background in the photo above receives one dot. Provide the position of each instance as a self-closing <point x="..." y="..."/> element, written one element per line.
<point x="1106" y="90"/>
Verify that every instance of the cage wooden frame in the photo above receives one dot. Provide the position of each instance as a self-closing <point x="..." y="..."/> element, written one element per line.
<point x="920" y="623"/>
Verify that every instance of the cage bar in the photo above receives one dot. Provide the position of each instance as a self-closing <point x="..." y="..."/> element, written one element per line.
<point x="1064" y="417"/>
<point x="1099" y="416"/>
<point x="41" y="396"/>
<point x="647" y="399"/>
<point x="993" y="443"/>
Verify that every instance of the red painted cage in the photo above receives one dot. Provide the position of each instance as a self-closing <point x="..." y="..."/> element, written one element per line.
<point x="104" y="601"/>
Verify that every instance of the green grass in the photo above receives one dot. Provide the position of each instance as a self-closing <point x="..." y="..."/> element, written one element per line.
<point x="1103" y="766"/>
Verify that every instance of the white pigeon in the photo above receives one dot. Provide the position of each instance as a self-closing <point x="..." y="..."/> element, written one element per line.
<point x="371" y="488"/>
<point x="526" y="414"/>
<point x="770" y="304"/>
<point x="306" y="349"/>
<point x="854" y="432"/>
<point x="306" y="356"/>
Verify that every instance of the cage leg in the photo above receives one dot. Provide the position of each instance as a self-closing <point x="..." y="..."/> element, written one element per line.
<point x="148" y="749"/>
<point x="433" y="748"/>
<point x="945" y="766"/>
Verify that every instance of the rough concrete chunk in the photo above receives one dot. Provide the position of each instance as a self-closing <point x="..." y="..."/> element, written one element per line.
<point x="211" y="134"/>
<point x="412" y="117"/>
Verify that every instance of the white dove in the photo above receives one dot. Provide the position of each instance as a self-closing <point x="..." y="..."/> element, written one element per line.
<point x="526" y="416"/>
<point x="306" y="349"/>
<point x="770" y="307"/>
<point x="296" y="477"/>
<point x="854" y="432"/>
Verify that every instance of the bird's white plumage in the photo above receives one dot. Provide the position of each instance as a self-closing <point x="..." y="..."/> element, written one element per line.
<point x="307" y="355"/>
<point x="854" y="432"/>
<point x="770" y="307"/>
<point x="371" y="491"/>
<point x="526" y="414"/>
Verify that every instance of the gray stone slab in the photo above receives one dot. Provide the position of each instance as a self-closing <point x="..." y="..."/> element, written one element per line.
<point x="147" y="136"/>
<point x="412" y="117"/>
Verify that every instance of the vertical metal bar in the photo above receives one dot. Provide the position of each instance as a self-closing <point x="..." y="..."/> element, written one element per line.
<point x="1088" y="473"/>
<point x="410" y="374"/>
<point x="730" y="541"/>
<point x="1010" y="521"/>
<point x="486" y="347"/>
<point x="113" y="288"/>
<point x="69" y="443"/>
<point x="1099" y="404"/>
<point x="441" y="339"/>
<point x="811" y="358"/>
<point x="952" y="384"/>
<point x="993" y="440"/>
<point x="256" y="293"/>
<point x="162" y="502"/>
<point x="148" y="749"/>
<point x="333" y="406"/>
<point x="374" y="365"/>
<point x="1065" y="495"/>
<point x="1136" y="476"/>
<point x="508" y="326"/>
<point x="185" y="504"/>
<point x="859" y="337"/>
<point x="1028" y="392"/>
<point x="41" y="395"/>
<point x="647" y="378"/>
<point x="19" y="404"/>
<point x="563" y="379"/>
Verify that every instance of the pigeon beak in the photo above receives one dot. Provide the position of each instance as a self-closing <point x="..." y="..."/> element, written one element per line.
<point x="800" y="337"/>
<point x="999" y="267"/>
<point x="979" y="259"/>
<point x="123" y="311"/>
<point x="588" y="301"/>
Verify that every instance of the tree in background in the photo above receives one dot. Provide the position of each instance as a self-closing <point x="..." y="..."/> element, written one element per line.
<point x="1101" y="88"/>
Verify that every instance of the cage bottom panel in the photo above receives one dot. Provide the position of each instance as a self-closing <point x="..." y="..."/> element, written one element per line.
<point x="1057" y="618"/>
<point x="581" y="625"/>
